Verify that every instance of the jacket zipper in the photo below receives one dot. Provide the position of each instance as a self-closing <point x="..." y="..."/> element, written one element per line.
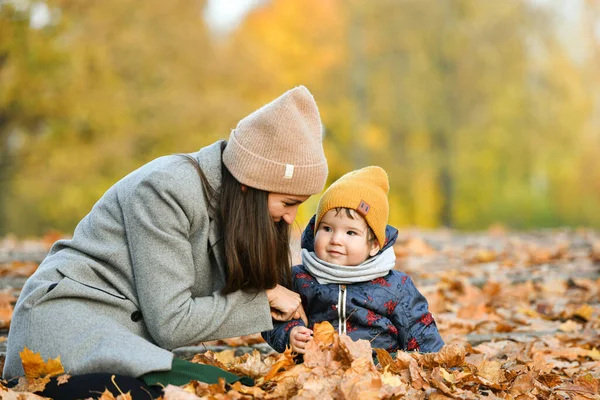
<point x="342" y="309"/>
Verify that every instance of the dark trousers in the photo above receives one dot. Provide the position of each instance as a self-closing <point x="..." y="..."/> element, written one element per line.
<point x="94" y="384"/>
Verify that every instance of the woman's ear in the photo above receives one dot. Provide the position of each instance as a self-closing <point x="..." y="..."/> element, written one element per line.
<point x="244" y="188"/>
<point x="374" y="249"/>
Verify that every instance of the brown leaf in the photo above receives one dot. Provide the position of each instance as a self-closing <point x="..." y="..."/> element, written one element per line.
<point x="360" y="381"/>
<point x="106" y="395"/>
<point x="438" y="381"/>
<point x="451" y="356"/>
<point x="316" y="357"/>
<point x="323" y="334"/>
<point x="490" y="373"/>
<point x="586" y="384"/>
<point x="416" y="378"/>
<point x="404" y="359"/>
<point x="208" y="358"/>
<point x="522" y="384"/>
<point x="10" y="394"/>
<point x="250" y="365"/>
<point x="32" y="384"/>
<point x="172" y="392"/>
<point x="360" y="349"/>
<point x="284" y="362"/>
<point x="385" y="359"/>
<point x="254" y="391"/>
<point x="204" y="389"/>
<point x="569" y="326"/>
<point x="550" y="380"/>
<point x="392" y="384"/>
<point x="439" y="396"/>
<point x="6" y="308"/>
<point x="62" y="379"/>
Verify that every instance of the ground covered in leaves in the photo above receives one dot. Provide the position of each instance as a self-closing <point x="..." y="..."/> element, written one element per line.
<point x="519" y="313"/>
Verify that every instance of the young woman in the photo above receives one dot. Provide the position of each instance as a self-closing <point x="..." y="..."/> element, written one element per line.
<point x="187" y="248"/>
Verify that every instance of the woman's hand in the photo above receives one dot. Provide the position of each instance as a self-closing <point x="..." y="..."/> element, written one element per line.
<point x="285" y="304"/>
<point x="299" y="337"/>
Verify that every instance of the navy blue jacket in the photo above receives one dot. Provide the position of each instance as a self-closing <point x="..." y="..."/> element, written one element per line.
<point x="389" y="311"/>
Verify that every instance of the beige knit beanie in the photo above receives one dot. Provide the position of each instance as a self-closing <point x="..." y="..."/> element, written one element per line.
<point x="278" y="148"/>
<point x="364" y="190"/>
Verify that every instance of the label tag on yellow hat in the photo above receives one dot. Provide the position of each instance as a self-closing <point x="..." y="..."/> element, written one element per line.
<point x="363" y="208"/>
<point x="289" y="171"/>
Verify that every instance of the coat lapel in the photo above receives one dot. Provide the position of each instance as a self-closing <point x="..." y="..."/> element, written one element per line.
<point x="209" y="159"/>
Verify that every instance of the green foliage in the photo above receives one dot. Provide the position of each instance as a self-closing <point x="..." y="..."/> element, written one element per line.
<point x="479" y="111"/>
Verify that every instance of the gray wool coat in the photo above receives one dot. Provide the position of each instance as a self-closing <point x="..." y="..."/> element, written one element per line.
<point x="140" y="277"/>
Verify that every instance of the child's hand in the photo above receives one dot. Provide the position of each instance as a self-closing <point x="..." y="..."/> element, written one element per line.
<point x="299" y="336"/>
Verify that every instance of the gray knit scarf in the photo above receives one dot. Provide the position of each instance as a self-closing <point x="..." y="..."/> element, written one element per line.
<point x="372" y="268"/>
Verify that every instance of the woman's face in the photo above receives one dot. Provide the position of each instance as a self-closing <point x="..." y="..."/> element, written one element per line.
<point x="284" y="206"/>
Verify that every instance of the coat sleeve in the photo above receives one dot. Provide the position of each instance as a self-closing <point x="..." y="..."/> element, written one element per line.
<point x="158" y="215"/>
<point x="413" y="317"/>
<point x="279" y="337"/>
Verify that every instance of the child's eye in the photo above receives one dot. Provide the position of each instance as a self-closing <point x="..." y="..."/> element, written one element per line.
<point x="326" y="228"/>
<point x="351" y="233"/>
<point x="287" y="204"/>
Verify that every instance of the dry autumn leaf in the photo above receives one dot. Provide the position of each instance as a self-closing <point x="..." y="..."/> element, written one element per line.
<point x="35" y="367"/>
<point x="208" y="358"/>
<point x="585" y="312"/>
<point x="8" y="394"/>
<point x="62" y="379"/>
<point x="172" y="392"/>
<point x="529" y="331"/>
<point x="323" y="334"/>
<point x="6" y="308"/>
<point x="32" y="384"/>
<point x="284" y="362"/>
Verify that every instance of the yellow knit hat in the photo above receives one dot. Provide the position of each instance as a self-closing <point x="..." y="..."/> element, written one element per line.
<point x="364" y="190"/>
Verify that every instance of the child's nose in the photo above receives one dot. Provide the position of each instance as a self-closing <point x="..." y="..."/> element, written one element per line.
<point x="336" y="238"/>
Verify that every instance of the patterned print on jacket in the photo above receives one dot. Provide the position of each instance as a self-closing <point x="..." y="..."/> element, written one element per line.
<point x="389" y="311"/>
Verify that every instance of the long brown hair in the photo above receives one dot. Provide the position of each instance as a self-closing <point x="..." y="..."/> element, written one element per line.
<point x="257" y="249"/>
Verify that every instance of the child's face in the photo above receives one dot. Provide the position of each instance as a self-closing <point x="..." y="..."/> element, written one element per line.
<point x="342" y="240"/>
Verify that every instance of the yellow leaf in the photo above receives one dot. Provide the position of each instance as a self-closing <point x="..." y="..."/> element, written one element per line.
<point x="594" y="354"/>
<point x="35" y="367"/>
<point x="585" y="311"/>
<point x="226" y="356"/>
<point x="448" y="377"/>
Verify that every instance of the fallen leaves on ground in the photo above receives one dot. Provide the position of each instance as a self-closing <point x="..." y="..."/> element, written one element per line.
<point x="337" y="367"/>
<point x="520" y="313"/>
<point x="37" y="375"/>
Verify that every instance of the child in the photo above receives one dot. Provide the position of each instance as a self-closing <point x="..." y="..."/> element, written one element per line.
<point x="347" y="275"/>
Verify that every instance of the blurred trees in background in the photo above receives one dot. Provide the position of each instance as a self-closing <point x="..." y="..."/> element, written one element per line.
<point x="481" y="112"/>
